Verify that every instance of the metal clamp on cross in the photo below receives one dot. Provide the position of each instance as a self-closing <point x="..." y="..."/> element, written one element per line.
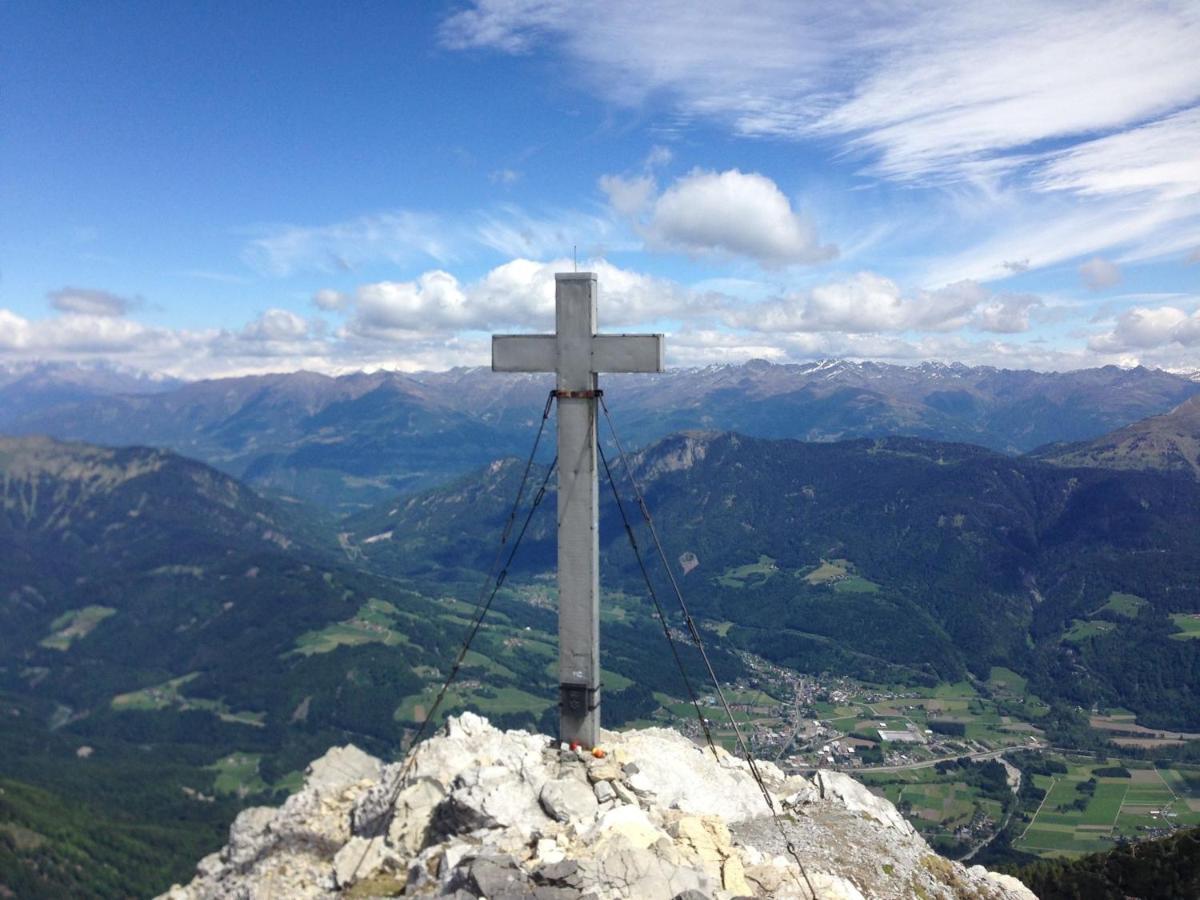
<point x="576" y="353"/>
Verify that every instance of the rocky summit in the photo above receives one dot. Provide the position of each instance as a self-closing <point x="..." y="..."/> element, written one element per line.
<point x="484" y="813"/>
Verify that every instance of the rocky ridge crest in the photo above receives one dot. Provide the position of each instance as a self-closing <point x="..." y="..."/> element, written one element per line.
<point x="485" y="813"/>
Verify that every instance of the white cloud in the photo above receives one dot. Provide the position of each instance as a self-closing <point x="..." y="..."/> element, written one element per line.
<point x="1099" y="274"/>
<point x="729" y="213"/>
<point x="1048" y="231"/>
<point x="1160" y="157"/>
<point x="1007" y="314"/>
<point x="437" y="320"/>
<point x="1022" y="101"/>
<point x="90" y="302"/>
<point x="79" y="333"/>
<point x="1016" y="74"/>
<point x="868" y="303"/>
<point x="276" y="325"/>
<point x="658" y="156"/>
<point x="733" y="213"/>
<point x="511" y="231"/>
<point x="629" y="196"/>
<point x="517" y="294"/>
<point x="1143" y="328"/>
<point x="433" y="302"/>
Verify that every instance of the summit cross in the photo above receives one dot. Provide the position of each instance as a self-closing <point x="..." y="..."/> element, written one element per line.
<point x="576" y="354"/>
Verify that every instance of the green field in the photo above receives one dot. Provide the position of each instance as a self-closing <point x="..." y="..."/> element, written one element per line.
<point x="855" y="584"/>
<point x="1081" y="630"/>
<point x="159" y="696"/>
<point x="169" y="695"/>
<point x="375" y="622"/>
<point x="1151" y="799"/>
<point x="1006" y="681"/>
<point x="237" y="774"/>
<point x="1188" y="625"/>
<point x="74" y="625"/>
<point x="749" y="575"/>
<point x="1128" y="605"/>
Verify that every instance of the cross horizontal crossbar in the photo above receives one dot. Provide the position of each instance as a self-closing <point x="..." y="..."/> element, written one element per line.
<point x="609" y="352"/>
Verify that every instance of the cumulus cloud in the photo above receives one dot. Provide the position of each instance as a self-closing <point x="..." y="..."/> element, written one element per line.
<point x="1007" y="314"/>
<point x="90" y="302"/>
<point x="78" y="333"/>
<point x="1098" y="273"/>
<point x="734" y="213"/>
<point x="276" y="325"/>
<point x="729" y="213"/>
<point x="438" y="319"/>
<point x="1144" y="328"/>
<point x="433" y="302"/>
<point x="517" y="294"/>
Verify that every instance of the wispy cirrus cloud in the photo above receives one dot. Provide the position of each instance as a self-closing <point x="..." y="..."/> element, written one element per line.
<point x="396" y="237"/>
<point x="1027" y="102"/>
<point x="405" y="237"/>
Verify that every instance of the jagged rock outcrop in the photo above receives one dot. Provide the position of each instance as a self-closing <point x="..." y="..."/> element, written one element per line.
<point x="507" y="815"/>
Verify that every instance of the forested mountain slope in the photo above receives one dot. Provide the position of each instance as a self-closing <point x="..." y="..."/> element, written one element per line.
<point x="891" y="556"/>
<point x="174" y="646"/>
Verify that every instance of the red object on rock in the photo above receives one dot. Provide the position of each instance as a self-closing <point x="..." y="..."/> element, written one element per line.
<point x="598" y="753"/>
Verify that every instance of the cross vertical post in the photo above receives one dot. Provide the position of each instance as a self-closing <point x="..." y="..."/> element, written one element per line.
<point x="576" y="353"/>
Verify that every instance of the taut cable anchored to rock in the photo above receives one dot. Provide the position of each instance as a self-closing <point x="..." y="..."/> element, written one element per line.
<point x="482" y="606"/>
<point x="694" y="632"/>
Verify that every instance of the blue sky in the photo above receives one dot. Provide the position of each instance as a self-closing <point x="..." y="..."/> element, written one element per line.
<point x="211" y="189"/>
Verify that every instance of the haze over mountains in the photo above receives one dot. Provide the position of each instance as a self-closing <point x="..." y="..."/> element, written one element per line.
<point x="350" y="441"/>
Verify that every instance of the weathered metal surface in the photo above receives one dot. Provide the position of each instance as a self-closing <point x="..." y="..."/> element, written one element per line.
<point x="576" y="354"/>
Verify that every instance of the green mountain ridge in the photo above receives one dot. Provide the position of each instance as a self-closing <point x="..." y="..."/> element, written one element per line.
<point x="884" y="557"/>
<point x="1170" y="442"/>
<point x="194" y="645"/>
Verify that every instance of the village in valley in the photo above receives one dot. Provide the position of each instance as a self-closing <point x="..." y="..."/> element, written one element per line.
<point x="964" y="762"/>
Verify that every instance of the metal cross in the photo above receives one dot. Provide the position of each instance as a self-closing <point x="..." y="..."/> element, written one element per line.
<point x="576" y="354"/>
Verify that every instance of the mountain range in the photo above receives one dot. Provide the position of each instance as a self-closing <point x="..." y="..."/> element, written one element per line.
<point x="163" y="623"/>
<point x="348" y="442"/>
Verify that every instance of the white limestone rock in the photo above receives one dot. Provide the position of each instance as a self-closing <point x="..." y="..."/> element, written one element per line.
<point x="507" y="814"/>
<point x="856" y="798"/>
